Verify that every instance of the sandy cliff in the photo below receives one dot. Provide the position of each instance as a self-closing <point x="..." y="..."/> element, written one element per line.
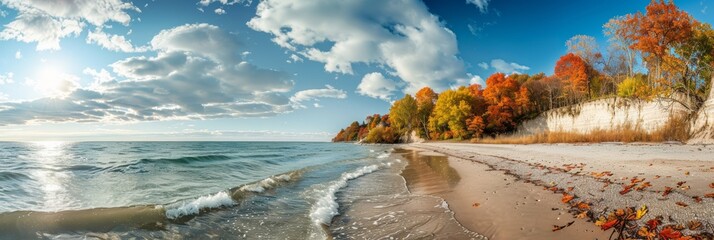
<point x="607" y="114"/>
<point x="702" y="130"/>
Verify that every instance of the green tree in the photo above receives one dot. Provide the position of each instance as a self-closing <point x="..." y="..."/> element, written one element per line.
<point x="403" y="116"/>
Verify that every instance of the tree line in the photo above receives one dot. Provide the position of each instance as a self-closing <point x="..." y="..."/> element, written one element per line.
<point x="651" y="55"/>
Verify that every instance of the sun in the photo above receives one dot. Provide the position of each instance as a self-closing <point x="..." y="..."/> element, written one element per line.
<point x="50" y="81"/>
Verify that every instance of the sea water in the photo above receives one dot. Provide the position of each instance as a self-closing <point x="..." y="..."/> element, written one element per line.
<point x="195" y="190"/>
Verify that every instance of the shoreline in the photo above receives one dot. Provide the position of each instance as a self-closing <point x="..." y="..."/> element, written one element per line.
<point x="502" y="191"/>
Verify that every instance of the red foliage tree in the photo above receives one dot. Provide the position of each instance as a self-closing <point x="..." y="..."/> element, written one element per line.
<point x="573" y="70"/>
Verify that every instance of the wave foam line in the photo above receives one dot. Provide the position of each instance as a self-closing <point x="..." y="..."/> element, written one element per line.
<point x="326" y="206"/>
<point x="220" y="199"/>
<point x="268" y="183"/>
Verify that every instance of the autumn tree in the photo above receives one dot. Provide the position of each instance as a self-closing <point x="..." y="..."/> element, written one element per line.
<point x="697" y="60"/>
<point x="426" y="98"/>
<point x="500" y="95"/>
<point x="452" y="109"/>
<point x="404" y="116"/>
<point x="659" y="31"/>
<point x="573" y="70"/>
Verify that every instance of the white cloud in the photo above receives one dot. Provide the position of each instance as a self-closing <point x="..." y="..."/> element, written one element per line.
<point x="100" y="77"/>
<point x="377" y="86"/>
<point x="316" y="94"/>
<point x="399" y="35"/>
<point x="7" y="78"/>
<point x="481" y="4"/>
<point x="182" y="81"/>
<point x="220" y="11"/>
<point x="224" y="2"/>
<point x="317" y="105"/>
<point x="294" y="58"/>
<point x="18" y="55"/>
<point x="46" y="22"/>
<point x="505" y="67"/>
<point x="483" y="65"/>
<point x="113" y="42"/>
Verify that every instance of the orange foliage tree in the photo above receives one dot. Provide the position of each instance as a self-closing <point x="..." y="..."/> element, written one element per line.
<point x="426" y="98"/>
<point x="500" y="95"/>
<point x="659" y="31"/>
<point x="573" y="70"/>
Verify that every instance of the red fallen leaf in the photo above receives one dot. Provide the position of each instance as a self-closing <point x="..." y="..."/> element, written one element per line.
<point x="709" y="195"/>
<point x="711" y="185"/>
<point x="682" y="204"/>
<point x="636" y="180"/>
<point x="627" y="189"/>
<point x="667" y="191"/>
<point x="697" y="199"/>
<point x="643" y="186"/>
<point x="653" y="223"/>
<point x="609" y="224"/>
<point x="669" y="233"/>
<point x="566" y="198"/>
<point x="558" y="228"/>
<point x="583" y="206"/>
<point x="679" y="184"/>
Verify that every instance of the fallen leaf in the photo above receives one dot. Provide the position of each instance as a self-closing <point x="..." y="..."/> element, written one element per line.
<point x="558" y="228"/>
<point x="566" y="198"/>
<point x="709" y="195"/>
<point x="653" y="223"/>
<point x="582" y="215"/>
<point x="644" y="232"/>
<point x="583" y="206"/>
<point x="686" y="173"/>
<point x="667" y="191"/>
<point x="697" y="199"/>
<point x="626" y="189"/>
<point x="476" y="205"/>
<point x="643" y="186"/>
<point x="636" y="180"/>
<point x="669" y="233"/>
<point x="682" y="204"/>
<point x="711" y="185"/>
<point x="679" y="184"/>
<point x="641" y="212"/>
<point x="609" y="224"/>
<point x="694" y="225"/>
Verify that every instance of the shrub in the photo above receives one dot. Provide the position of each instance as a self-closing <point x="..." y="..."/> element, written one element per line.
<point x="632" y="87"/>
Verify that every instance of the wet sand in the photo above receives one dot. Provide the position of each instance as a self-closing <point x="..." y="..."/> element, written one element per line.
<point x="506" y="209"/>
<point x="507" y="181"/>
<point x="381" y="207"/>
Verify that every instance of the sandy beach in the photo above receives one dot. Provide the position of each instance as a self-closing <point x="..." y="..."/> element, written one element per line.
<point x="506" y="191"/>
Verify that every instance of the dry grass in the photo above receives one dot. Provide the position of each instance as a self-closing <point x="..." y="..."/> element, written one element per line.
<point x="674" y="130"/>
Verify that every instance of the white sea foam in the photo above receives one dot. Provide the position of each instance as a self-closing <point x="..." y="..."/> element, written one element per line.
<point x="326" y="206"/>
<point x="265" y="184"/>
<point x="220" y="199"/>
<point x="383" y="155"/>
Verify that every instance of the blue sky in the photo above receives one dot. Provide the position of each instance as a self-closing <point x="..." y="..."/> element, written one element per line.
<point x="263" y="70"/>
